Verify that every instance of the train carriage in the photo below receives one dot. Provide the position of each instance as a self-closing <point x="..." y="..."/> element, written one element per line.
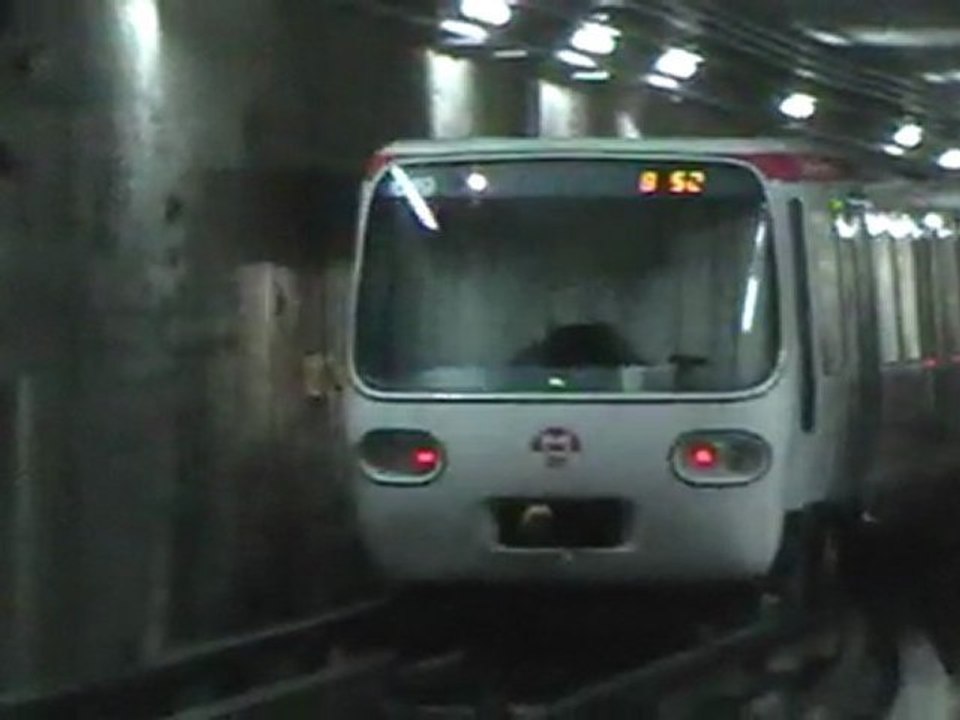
<point x="605" y="360"/>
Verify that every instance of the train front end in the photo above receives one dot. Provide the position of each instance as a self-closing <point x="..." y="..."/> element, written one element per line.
<point x="569" y="367"/>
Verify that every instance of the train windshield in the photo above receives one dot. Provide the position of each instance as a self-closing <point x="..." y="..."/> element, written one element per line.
<point x="567" y="276"/>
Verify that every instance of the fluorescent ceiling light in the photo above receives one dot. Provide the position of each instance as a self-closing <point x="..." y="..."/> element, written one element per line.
<point x="572" y="57"/>
<point x="511" y="54"/>
<point x="950" y="159"/>
<point x="847" y="229"/>
<point x="662" y="81"/>
<point x="489" y="12"/>
<point x="477" y="182"/>
<point x="678" y="63"/>
<point x="909" y="136"/>
<point x="894" y="150"/>
<point x="934" y="221"/>
<point x="942" y="78"/>
<point x="595" y="38"/>
<point x="799" y="106"/>
<point x="591" y="75"/>
<point x="877" y="223"/>
<point x="903" y="226"/>
<point x="918" y="37"/>
<point x="827" y="37"/>
<point x="464" y="29"/>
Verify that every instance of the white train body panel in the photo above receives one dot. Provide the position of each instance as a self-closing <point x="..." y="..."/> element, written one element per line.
<point x="807" y="409"/>
<point x="446" y="530"/>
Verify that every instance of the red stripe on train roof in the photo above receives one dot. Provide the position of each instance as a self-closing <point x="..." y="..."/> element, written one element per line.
<point x="376" y="163"/>
<point x="797" y="167"/>
<point x="787" y="167"/>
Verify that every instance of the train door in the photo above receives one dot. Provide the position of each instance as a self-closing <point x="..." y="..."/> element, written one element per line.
<point x="833" y="391"/>
<point x="821" y="415"/>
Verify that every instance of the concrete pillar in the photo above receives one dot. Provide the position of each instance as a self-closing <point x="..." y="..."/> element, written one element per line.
<point x="124" y="101"/>
<point x="469" y="97"/>
<point x="564" y="111"/>
<point x="452" y="95"/>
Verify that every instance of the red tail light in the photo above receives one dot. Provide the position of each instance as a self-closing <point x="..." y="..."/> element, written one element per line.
<point x="426" y="459"/>
<point x="703" y="456"/>
<point x="401" y="456"/>
<point x="723" y="457"/>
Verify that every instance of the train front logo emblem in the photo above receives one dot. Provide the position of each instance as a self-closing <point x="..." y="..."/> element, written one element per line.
<point x="557" y="446"/>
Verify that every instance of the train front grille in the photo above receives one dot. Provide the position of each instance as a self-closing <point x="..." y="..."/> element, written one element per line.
<point x="560" y="523"/>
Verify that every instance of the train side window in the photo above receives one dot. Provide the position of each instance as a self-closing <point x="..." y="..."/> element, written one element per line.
<point x="886" y="299"/>
<point x="944" y="293"/>
<point x="929" y="307"/>
<point x="828" y="282"/>
<point x="950" y="295"/>
<point x="908" y="311"/>
<point x="847" y="225"/>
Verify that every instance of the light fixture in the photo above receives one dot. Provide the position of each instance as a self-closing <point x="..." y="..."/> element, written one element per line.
<point x="942" y="78"/>
<point x="143" y="20"/>
<point x="595" y="38"/>
<point x="678" y="63"/>
<point x="902" y="227"/>
<point x="572" y="57"/>
<point x="847" y="229"/>
<point x="464" y="29"/>
<point x="799" y="106"/>
<point x="909" y="135"/>
<point x="877" y="223"/>
<point x="511" y="54"/>
<point x="477" y="182"/>
<point x="891" y="149"/>
<point x="489" y="12"/>
<point x="591" y="75"/>
<point x="934" y="221"/>
<point x="661" y="81"/>
<point x="827" y="37"/>
<point x="950" y="159"/>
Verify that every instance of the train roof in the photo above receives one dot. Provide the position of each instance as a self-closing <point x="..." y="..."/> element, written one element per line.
<point x="777" y="159"/>
<point x="931" y="195"/>
<point x="676" y="145"/>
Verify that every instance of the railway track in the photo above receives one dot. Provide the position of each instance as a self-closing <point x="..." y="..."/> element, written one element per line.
<point x="377" y="661"/>
<point x="327" y="650"/>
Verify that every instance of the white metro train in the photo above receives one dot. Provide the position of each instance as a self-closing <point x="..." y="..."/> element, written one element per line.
<point x="629" y="361"/>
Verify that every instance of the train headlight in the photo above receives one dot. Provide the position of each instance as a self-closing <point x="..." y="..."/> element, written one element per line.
<point x="720" y="458"/>
<point x="401" y="457"/>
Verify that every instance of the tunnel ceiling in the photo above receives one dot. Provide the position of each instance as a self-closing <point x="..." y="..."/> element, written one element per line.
<point x="916" y="41"/>
<point x="870" y="69"/>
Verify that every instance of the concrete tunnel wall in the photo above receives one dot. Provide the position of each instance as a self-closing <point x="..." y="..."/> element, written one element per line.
<point x="176" y="199"/>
